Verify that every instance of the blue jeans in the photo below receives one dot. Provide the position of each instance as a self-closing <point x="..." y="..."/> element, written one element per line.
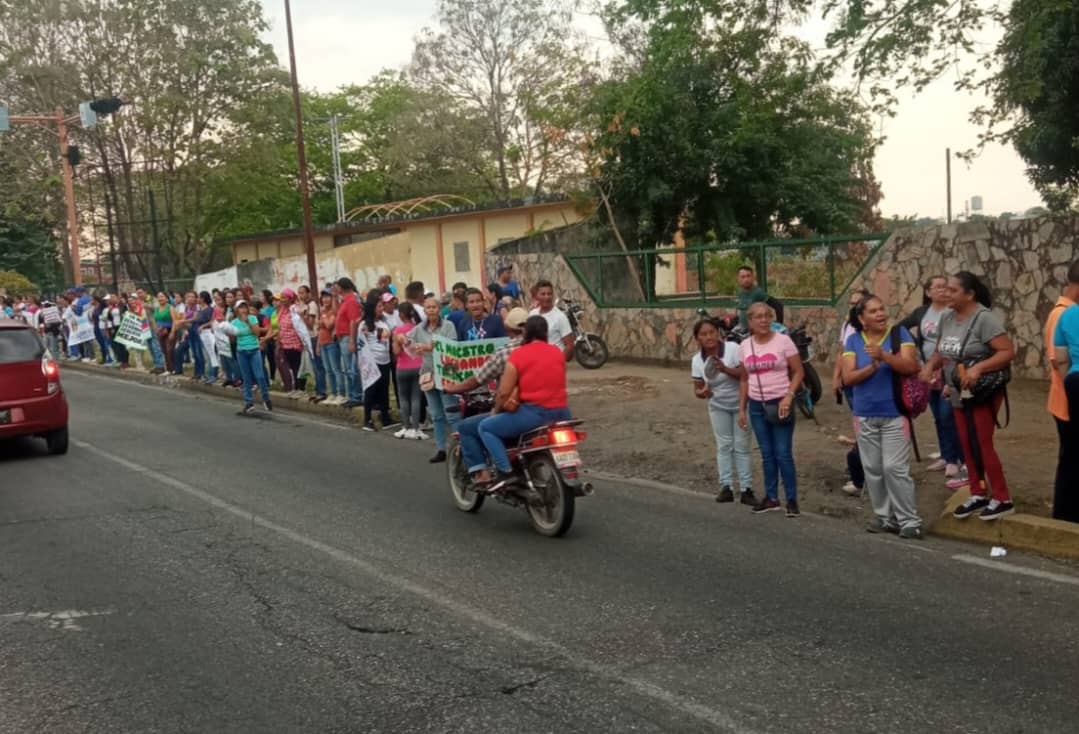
<point x="320" y="375"/>
<point x="352" y="387"/>
<point x="331" y="361"/>
<point x="232" y="369"/>
<point x="471" y="444"/>
<point x="251" y="368"/>
<point x="194" y="343"/>
<point x="776" y="443"/>
<point x="103" y="342"/>
<point x="444" y="422"/>
<point x="944" y="420"/>
<point x="156" y="353"/>
<point x="496" y="428"/>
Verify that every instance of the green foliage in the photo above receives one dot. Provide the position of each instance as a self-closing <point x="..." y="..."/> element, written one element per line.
<point x="15" y="283"/>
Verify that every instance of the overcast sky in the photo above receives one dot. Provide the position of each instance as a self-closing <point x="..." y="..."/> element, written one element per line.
<point x="340" y="42"/>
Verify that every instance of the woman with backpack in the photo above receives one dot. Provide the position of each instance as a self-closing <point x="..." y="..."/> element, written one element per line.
<point x="976" y="354"/>
<point x="924" y="324"/>
<point x="873" y="360"/>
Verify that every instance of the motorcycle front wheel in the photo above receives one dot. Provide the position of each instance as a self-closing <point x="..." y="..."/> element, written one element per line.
<point x="555" y="516"/>
<point x="810" y="393"/>
<point x="591" y="352"/>
<point x="465" y="499"/>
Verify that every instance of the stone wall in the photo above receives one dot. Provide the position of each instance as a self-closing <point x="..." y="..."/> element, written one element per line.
<point x="1024" y="263"/>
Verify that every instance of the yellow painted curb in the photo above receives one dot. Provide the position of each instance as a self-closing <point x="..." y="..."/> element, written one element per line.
<point x="1024" y="532"/>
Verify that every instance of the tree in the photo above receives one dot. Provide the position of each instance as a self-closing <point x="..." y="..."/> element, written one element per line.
<point x="1031" y="76"/>
<point x="509" y="64"/>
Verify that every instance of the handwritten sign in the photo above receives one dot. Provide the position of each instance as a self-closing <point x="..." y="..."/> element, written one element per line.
<point x="456" y="361"/>
<point x="130" y="333"/>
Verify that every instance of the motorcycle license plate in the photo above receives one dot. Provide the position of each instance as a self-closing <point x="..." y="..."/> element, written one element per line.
<point x="566" y="458"/>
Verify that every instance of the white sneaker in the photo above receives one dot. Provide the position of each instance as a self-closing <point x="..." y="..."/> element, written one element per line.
<point x="403" y="433"/>
<point x="335" y="400"/>
<point x="420" y="435"/>
<point x="850" y="489"/>
<point x="938" y="465"/>
<point x="87" y="359"/>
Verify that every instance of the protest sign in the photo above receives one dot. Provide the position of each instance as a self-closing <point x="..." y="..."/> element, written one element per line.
<point x="456" y="361"/>
<point x="82" y="331"/>
<point x="130" y="333"/>
<point x="368" y="368"/>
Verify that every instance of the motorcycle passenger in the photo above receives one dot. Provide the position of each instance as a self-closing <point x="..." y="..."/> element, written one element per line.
<point x="471" y="445"/>
<point x="531" y="394"/>
<point x="559" y="331"/>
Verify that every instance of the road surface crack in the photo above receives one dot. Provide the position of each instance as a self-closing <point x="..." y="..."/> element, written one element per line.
<point x="369" y="630"/>
<point x="510" y="690"/>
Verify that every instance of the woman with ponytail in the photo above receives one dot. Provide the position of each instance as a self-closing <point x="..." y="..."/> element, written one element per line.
<point x="975" y="351"/>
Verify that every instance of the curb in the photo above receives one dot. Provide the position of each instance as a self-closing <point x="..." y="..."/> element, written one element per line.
<point x="334" y="412"/>
<point x="1042" y="535"/>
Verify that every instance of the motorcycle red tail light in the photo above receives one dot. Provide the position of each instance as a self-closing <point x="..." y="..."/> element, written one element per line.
<point x="563" y="436"/>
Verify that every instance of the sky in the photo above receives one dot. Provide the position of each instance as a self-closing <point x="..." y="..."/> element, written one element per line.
<point x="345" y="42"/>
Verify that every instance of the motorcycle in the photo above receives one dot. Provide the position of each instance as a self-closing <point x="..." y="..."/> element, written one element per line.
<point x="589" y="349"/>
<point x="809" y="392"/>
<point x="546" y="467"/>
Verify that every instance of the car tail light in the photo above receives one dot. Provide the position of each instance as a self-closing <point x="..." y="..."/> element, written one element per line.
<point x="562" y="436"/>
<point x="51" y="371"/>
<point x="581" y="435"/>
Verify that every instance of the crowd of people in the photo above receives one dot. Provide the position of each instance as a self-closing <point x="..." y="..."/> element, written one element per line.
<point x="951" y="356"/>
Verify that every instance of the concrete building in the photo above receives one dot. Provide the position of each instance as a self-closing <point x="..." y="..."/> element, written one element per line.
<point x="437" y="240"/>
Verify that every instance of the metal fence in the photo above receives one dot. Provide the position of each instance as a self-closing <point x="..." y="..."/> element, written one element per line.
<point x="807" y="272"/>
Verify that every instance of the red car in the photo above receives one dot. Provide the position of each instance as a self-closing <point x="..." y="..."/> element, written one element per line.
<point x="32" y="403"/>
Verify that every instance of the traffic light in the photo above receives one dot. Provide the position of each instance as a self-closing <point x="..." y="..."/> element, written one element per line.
<point x="74" y="157"/>
<point x="107" y="106"/>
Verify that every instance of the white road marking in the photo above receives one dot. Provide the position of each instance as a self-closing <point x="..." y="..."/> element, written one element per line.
<point x="1019" y="570"/>
<point x="61" y="620"/>
<point x="706" y="714"/>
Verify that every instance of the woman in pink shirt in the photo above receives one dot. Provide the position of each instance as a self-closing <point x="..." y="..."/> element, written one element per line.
<point x="773" y="371"/>
<point x="409" y="362"/>
<point x="289" y="346"/>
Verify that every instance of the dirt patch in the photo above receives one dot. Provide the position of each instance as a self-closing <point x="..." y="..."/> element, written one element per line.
<point x="645" y="422"/>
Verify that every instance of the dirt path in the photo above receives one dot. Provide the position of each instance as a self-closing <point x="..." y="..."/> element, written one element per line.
<point x="645" y="422"/>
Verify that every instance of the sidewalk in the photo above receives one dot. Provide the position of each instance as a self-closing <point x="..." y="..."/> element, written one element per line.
<point x="644" y="422"/>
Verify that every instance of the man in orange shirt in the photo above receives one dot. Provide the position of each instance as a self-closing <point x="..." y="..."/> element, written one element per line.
<point x="1058" y="399"/>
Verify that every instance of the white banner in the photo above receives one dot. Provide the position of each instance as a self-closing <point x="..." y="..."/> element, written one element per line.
<point x="130" y="333"/>
<point x="82" y="331"/>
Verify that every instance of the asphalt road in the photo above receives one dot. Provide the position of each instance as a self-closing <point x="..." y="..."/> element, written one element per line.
<point x="186" y="569"/>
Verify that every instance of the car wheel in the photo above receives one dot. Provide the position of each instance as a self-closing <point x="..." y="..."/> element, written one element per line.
<point x="57" y="441"/>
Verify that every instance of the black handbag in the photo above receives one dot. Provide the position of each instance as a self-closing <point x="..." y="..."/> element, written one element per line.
<point x="771" y="407"/>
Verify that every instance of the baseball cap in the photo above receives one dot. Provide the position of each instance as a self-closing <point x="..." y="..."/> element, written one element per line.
<point x="287" y="293"/>
<point x="516" y="318"/>
<point x="387" y="297"/>
<point x="240" y="302"/>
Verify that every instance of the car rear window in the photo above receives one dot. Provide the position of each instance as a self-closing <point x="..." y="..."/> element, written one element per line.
<point x="19" y="345"/>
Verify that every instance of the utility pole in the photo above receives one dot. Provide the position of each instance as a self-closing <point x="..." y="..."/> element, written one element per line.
<point x="948" y="179"/>
<point x="69" y="194"/>
<point x="338" y="181"/>
<point x="301" y="157"/>
<point x="112" y="242"/>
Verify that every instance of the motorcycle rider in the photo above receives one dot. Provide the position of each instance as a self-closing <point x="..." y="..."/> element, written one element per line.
<point x="472" y="452"/>
<point x="559" y="331"/>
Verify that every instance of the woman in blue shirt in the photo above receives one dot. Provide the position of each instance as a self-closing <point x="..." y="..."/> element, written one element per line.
<point x="869" y="366"/>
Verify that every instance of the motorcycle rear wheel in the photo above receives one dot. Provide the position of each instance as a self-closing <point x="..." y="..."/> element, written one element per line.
<point x="556" y="516"/>
<point x="457" y="473"/>
<point x="810" y="392"/>
<point x="592" y="354"/>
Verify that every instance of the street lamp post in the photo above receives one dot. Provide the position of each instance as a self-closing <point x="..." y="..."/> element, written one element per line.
<point x="301" y="157"/>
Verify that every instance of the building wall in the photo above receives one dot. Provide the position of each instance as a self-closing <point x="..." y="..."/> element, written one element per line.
<point x="1023" y="262"/>
<point x="468" y="233"/>
<point x="423" y="242"/>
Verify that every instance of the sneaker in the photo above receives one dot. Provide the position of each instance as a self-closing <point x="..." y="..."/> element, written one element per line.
<point x="792" y="509"/>
<point x="268" y="405"/>
<point x="960" y="480"/>
<point x="766" y="505"/>
<point x="350" y="404"/>
<point x="419" y="435"/>
<point x="748" y="498"/>
<point x="369" y="427"/>
<point x="876" y="525"/>
<point x="438" y="458"/>
<point x="969" y="507"/>
<point x="403" y="433"/>
<point x="996" y="510"/>
<point x="725" y="495"/>
<point x="852" y="489"/>
<point x="950" y="470"/>
<point x="911" y="534"/>
<point x="87" y="359"/>
<point x="938" y="465"/>
<point x="935" y="455"/>
<point x="249" y="408"/>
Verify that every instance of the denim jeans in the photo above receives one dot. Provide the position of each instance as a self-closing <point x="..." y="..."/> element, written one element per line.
<point x="353" y="387"/>
<point x="471" y="444"/>
<point x="251" y="368"/>
<point x="944" y="420"/>
<point x="777" y="457"/>
<point x="52" y="341"/>
<point x="331" y="360"/>
<point x="103" y="342"/>
<point x="156" y="353"/>
<point x="732" y="448"/>
<point x="232" y="369"/>
<point x="444" y="421"/>
<point x="194" y="343"/>
<point x="316" y="362"/>
<point x="179" y="355"/>
<point x="410" y="397"/>
<point x="496" y="428"/>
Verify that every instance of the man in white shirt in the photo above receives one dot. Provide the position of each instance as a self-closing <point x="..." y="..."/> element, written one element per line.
<point x="559" y="332"/>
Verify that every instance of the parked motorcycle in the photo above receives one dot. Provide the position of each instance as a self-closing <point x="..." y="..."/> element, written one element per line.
<point x="589" y="349"/>
<point x="809" y="392"/>
<point x="546" y="466"/>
